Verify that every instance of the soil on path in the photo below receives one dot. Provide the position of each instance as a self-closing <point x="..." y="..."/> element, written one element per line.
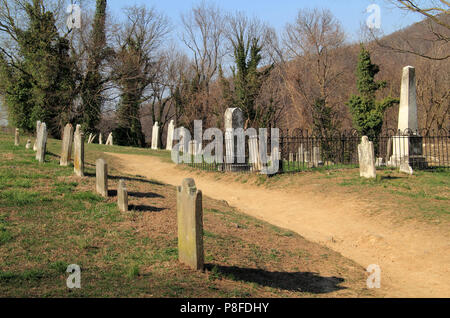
<point x="414" y="257"/>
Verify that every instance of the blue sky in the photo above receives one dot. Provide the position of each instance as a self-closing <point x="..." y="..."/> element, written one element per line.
<point x="277" y="13"/>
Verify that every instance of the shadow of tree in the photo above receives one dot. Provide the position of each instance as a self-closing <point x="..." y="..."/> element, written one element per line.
<point x="145" y="208"/>
<point x="295" y="281"/>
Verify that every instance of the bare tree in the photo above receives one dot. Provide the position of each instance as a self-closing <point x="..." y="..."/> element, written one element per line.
<point x="312" y="73"/>
<point x="437" y="23"/>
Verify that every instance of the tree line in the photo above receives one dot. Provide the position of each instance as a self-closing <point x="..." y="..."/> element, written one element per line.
<point x="124" y="76"/>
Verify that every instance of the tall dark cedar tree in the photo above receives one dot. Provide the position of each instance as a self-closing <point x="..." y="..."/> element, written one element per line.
<point x="366" y="111"/>
<point x="93" y="81"/>
<point x="38" y="85"/>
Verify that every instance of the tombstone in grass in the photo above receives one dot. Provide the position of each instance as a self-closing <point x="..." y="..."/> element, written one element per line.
<point x="407" y="145"/>
<point x="155" y="136"/>
<point x="190" y="225"/>
<point x="366" y="157"/>
<point x="109" y="141"/>
<point x="234" y="119"/>
<point x="317" y="161"/>
<point x="28" y="145"/>
<point x="78" y="145"/>
<point x="170" y="131"/>
<point x="38" y="125"/>
<point x="101" y="177"/>
<point x="42" y="143"/>
<point x="100" y="139"/>
<point x="300" y="154"/>
<point x="406" y="168"/>
<point x="17" y="137"/>
<point x="122" y="196"/>
<point x="66" y="151"/>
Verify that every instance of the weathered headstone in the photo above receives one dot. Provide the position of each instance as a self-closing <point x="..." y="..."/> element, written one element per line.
<point x="122" y="196"/>
<point x="155" y="136"/>
<point x="317" y="161"/>
<point x="38" y="126"/>
<point x="234" y="119"/>
<point x="366" y="158"/>
<point x="100" y="139"/>
<point x="253" y="150"/>
<point x="17" y="137"/>
<point x="66" y="151"/>
<point x="78" y="144"/>
<point x="190" y="225"/>
<point x="291" y="157"/>
<point x="28" y="145"/>
<point x="170" y="131"/>
<point x="300" y="153"/>
<point x="90" y="138"/>
<point x="101" y="177"/>
<point x="109" y="141"/>
<point x="182" y="140"/>
<point x="42" y="143"/>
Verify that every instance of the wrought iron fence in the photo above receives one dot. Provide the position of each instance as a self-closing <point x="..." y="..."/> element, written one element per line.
<point x="299" y="150"/>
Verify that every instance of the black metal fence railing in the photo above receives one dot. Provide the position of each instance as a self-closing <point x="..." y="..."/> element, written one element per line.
<point x="300" y="151"/>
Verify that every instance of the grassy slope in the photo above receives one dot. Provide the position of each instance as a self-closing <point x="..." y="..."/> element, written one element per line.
<point x="50" y="219"/>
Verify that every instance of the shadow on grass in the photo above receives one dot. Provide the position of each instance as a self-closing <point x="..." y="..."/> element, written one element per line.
<point x="140" y="195"/>
<point x="305" y="282"/>
<point x="89" y="174"/>
<point x="145" y="208"/>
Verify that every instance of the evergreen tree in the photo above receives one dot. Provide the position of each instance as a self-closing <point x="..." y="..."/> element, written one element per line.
<point x="92" y="85"/>
<point x="366" y="111"/>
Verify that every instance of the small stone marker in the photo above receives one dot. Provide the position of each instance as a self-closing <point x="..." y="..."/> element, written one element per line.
<point x="78" y="160"/>
<point x="366" y="158"/>
<point x="42" y="143"/>
<point x="170" y="131"/>
<point x="190" y="225"/>
<point x="109" y="141"/>
<point x="17" y="137"/>
<point x="406" y="168"/>
<point x="101" y="168"/>
<point x="122" y="196"/>
<point x="28" y="145"/>
<point x="66" y="151"/>
<point x="155" y="136"/>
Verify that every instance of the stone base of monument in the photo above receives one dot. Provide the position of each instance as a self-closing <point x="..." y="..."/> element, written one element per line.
<point x="409" y="149"/>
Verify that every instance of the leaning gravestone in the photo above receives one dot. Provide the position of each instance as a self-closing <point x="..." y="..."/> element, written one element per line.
<point x="122" y="196"/>
<point x="38" y="126"/>
<point x="155" y="136"/>
<point x="42" y="143"/>
<point x="17" y="137"/>
<point x="66" y="151"/>
<point x="170" y="131"/>
<point x="101" y="177"/>
<point x="78" y="144"/>
<point x="190" y="225"/>
<point x="109" y="141"/>
<point x="366" y="158"/>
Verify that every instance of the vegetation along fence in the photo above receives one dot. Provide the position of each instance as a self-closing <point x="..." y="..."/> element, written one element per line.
<point x="301" y="151"/>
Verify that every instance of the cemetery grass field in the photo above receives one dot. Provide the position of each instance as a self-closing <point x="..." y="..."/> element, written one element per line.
<point x="49" y="219"/>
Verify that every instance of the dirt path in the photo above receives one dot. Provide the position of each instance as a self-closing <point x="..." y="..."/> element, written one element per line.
<point x="414" y="257"/>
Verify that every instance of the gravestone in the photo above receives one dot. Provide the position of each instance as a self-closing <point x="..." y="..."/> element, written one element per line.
<point x="366" y="157"/>
<point x="38" y="126"/>
<point x="28" y="145"/>
<point x="101" y="177"/>
<point x="66" y="151"/>
<point x="155" y="136"/>
<point x="300" y="154"/>
<point x="253" y="149"/>
<point x="170" y="131"/>
<point x="42" y="143"/>
<point x="234" y="119"/>
<point x="78" y="144"/>
<point x="190" y="225"/>
<point x="122" y="196"/>
<point x="109" y="141"/>
<point x="100" y="139"/>
<point x="90" y="138"/>
<point x="291" y="157"/>
<point x="406" y="168"/>
<point x="17" y="137"/>
<point x="182" y="137"/>
<point x="407" y="145"/>
<point x="317" y="161"/>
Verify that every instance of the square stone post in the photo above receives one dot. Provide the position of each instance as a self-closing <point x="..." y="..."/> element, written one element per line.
<point x="122" y="196"/>
<point x="101" y="177"/>
<point x="190" y="225"/>
<point x="17" y="137"/>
